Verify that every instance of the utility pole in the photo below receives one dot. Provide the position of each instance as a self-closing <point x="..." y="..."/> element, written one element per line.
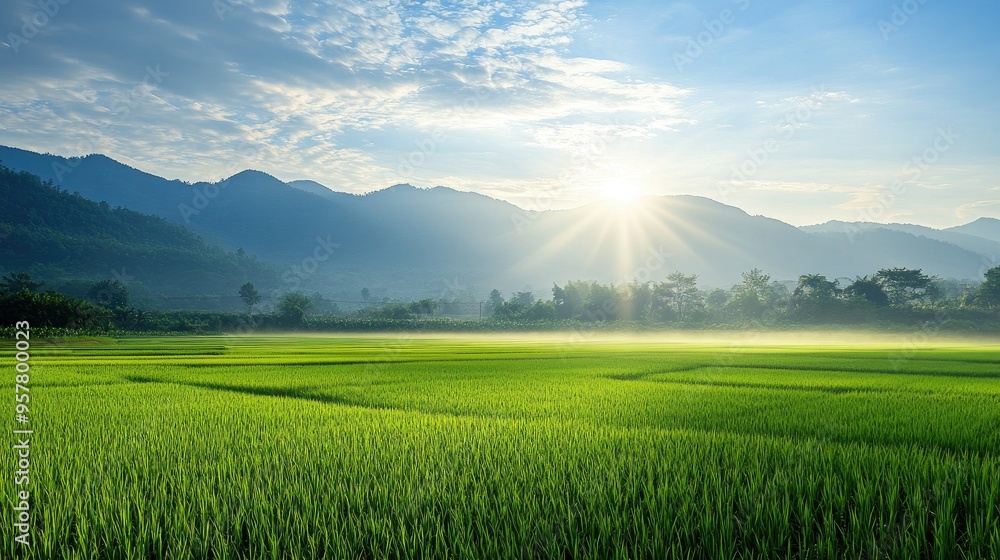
<point x="481" y="310"/>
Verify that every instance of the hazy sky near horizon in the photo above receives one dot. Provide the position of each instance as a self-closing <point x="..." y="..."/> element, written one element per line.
<point x="803" y="111"/>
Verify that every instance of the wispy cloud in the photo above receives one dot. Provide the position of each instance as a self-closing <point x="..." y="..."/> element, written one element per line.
<point x="975" y="209"/>
<point x="295" y="80"/>
<point x="507" y="96"/>
<point x="792" y="187"/>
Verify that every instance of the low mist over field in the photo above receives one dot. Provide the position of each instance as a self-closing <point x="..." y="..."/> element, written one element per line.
<point x="733" y="340"/>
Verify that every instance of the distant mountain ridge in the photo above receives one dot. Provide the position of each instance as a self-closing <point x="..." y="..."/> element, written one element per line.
<point x="68" y="240"/>
<point x="408" y="242"/>
<point x="319" y="190"/>
<point x="987" y="228"/>
<point x="957" y="235"/>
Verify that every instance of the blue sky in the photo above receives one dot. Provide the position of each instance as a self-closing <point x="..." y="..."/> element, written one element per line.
<point x="802" y="111"/>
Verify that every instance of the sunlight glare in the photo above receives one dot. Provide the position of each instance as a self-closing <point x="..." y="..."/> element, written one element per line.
<point x="620" y="191"/>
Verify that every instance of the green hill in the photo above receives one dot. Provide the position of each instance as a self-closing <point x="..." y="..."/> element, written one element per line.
<point x="69" y="241"/>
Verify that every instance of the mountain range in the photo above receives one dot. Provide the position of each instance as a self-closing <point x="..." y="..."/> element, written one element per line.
<point x="69" y="242"/>
<point x="408" y="242"/>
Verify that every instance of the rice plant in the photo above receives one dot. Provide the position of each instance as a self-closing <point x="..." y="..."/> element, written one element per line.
<point x="462" y="447"/>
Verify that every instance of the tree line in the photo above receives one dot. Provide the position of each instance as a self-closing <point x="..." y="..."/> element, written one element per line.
<point x="678" y="299"/>
<point x="889" y="296"/>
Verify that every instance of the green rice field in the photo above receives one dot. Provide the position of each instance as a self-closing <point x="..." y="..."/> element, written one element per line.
<point x="548" y="446"/>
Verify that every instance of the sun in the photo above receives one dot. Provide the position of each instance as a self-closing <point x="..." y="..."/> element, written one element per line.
<point x="621" y="191"/>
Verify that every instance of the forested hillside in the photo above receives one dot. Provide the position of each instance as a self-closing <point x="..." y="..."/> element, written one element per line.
<point x="65" y="239"/>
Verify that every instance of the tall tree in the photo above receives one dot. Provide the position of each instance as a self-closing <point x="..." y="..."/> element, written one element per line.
<point x="494" y="301"/>
<point x="540" y="311"/>
<point x="989" y="291"/>
<point x="423" y="307"/>
<point x="869" y="289"/>
<point x="17" y="281"/>
<point x="250" y="296"/>
<point x="50" y="309"/>
<point x="569" y="300"/>
<point x="508" y="311"/>
<point x="637" y="300"/>
<point x="292" y="308"/>
<point x="322" y="306"/>
<point x="109" y="294"/>
<point x="603" y="303"/>
<point x="904" y="286"/>
<point x="112" y="295"/>
<point x="717" y="299"/>
<point x="524" y="299"/>
<point x="753" y="295"/>
<point x="815" y="287"/>
<point x="680" y="292"/>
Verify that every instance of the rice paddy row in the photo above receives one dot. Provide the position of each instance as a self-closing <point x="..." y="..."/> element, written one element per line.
<point x="463" y="447"/>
